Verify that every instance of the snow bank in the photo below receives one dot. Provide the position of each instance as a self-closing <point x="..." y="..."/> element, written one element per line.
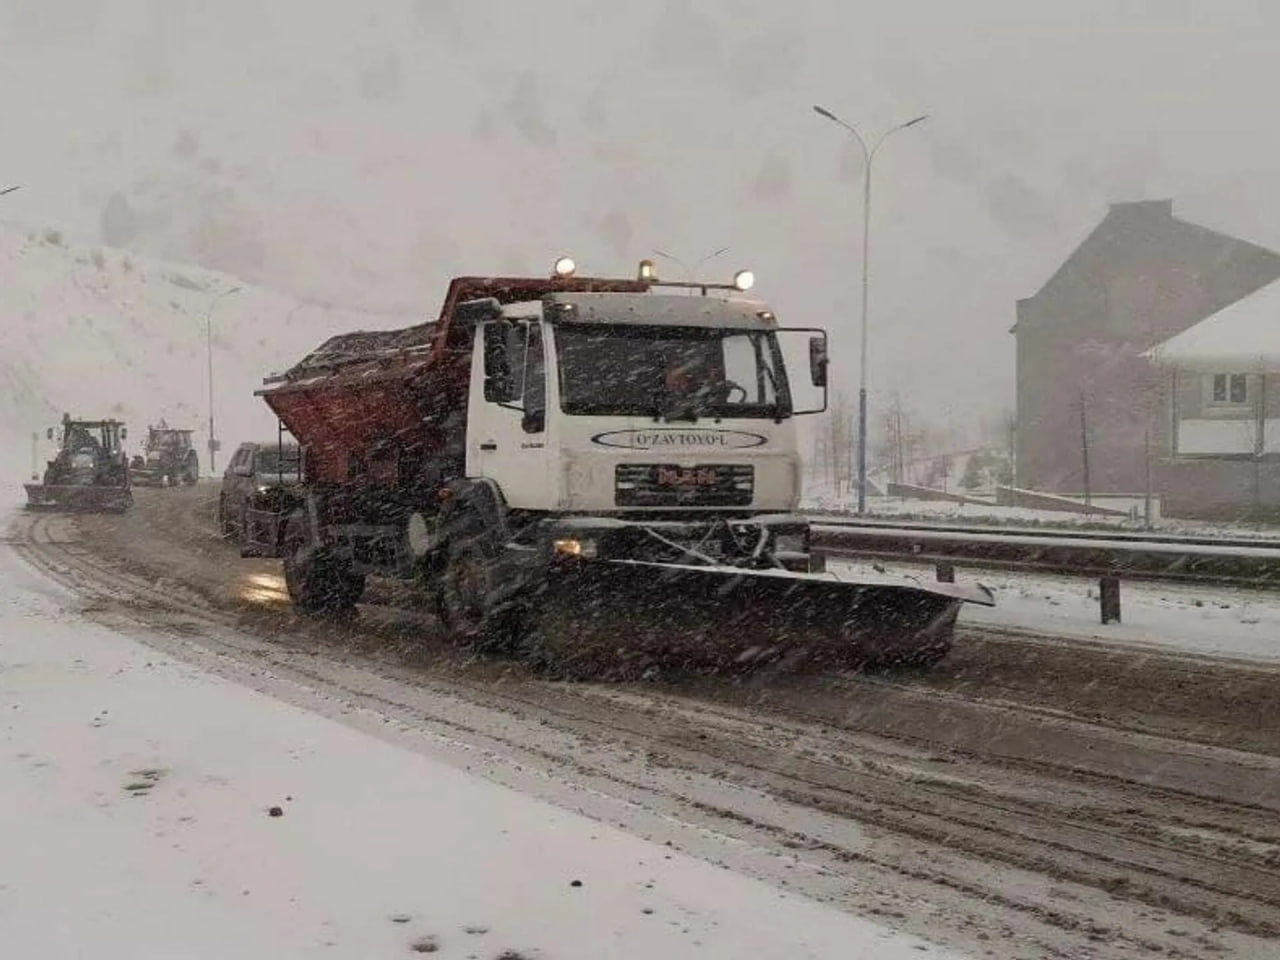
<point x="135" y="798"/>
<point x="101" y="332"/>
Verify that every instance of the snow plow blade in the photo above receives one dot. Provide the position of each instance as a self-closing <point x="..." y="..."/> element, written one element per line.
<point x="78" y="498"/>
<point x="627" y="619"/>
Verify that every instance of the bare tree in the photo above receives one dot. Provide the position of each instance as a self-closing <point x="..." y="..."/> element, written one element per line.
<point x="834" y="443"/>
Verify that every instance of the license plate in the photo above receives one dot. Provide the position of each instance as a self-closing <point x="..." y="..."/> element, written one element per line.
<point x="691" y="477"/>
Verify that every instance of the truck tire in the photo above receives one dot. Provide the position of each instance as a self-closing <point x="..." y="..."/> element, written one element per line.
<point x="463" y="586"/>
<point x="317" y="582"/>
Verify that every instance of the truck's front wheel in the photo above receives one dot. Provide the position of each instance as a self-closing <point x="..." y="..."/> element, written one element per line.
<point x="316" y="580"/>
<point x="463" y="591"/>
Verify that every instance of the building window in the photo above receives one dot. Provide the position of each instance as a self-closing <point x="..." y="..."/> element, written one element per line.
<point x="1230" y="389"/>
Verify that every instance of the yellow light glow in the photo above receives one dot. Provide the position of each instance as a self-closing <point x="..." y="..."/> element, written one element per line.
<point x="744" y="279"/>
<point x="262" y="588"/>
<point x="565" y="267"/>
<point x="571" y="548"/>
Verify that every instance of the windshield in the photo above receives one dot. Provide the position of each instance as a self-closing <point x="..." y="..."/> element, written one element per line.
<point x="672" y="373"/>
<point x="160" y="439"/>
<point x="88" y="436"/>
<point x="275" y="459"/>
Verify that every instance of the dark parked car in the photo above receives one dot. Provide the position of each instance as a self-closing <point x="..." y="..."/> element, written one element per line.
<point x="254" y="470"/>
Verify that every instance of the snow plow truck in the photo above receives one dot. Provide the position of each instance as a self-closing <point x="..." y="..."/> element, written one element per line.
<point x="89" y="472"/>
<point x="599" y="475"/>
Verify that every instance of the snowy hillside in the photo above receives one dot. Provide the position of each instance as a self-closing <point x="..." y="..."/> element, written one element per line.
<point x="101" y="332"/>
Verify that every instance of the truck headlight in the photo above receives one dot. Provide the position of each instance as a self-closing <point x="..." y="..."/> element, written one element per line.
<point x="574" y="547"/>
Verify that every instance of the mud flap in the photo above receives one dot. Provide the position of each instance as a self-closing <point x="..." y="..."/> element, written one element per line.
<point x="594" y="618"/>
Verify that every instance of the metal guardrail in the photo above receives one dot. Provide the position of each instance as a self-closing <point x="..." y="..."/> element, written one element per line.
<point x="1127" y="536"/>
<point x="1234" y="561"/>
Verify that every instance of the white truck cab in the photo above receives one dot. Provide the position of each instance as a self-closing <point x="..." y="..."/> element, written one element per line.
<point x="635" y="403"/>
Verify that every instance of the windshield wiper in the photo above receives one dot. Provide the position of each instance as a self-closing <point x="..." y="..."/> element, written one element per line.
<point x="677" y="414"/>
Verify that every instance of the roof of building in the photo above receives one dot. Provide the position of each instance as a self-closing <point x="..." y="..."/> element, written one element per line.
<point x="1241" y="338"/>
<point x="1149" y="229"/>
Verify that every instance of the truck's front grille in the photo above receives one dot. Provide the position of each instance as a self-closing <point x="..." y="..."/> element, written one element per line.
<point x="671" y="485"/>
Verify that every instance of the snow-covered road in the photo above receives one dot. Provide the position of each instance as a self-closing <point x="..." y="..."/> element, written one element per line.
<point x="134" y="821"/>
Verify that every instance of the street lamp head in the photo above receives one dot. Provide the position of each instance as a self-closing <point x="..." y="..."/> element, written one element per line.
<point x="824" y="112"/>
<point x="912" y="123"/>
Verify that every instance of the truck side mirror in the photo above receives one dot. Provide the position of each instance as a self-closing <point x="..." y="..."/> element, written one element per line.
<point x="499" y="385"/>
<point x="124" y="433"/>
<point x="49" y="433"/>
<point x="818" y="361"/>
<point x="534" y="421"/>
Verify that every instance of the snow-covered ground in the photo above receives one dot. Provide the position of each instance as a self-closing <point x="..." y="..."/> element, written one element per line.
<point x="135" y="822"/>
<point x="1217" y="621"/>
<point x="100" y="332"/>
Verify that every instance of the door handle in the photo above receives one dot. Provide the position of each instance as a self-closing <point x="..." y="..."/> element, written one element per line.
<point x="488" y="446"/>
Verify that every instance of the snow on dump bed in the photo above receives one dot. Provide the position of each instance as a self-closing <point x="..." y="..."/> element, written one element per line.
<point x="136" y="798"/>
<point x="362" y="345"/>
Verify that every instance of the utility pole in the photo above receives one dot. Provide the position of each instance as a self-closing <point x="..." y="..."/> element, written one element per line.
<point x="868" y="155"/>
<point x="1146" y="503"/>
<point x="1013" y="451"/>
<point x="214" y="446"/>
<point x="1084" y="452"/>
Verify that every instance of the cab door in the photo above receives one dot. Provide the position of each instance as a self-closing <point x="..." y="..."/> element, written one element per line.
<point x="507" y="419"/>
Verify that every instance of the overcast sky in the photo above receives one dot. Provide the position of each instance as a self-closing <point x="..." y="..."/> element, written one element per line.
<point x="338" y="153"/>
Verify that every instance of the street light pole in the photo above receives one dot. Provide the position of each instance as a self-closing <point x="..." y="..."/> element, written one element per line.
<point x="688" y="273"/>
<point x="208" y="342"/>
<point x="8" y="190"/>
<point x="868" y="155"/>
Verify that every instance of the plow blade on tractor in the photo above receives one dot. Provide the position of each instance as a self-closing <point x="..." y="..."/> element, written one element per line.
<point x="78" y="498"/>
<point x="627" y="619"/>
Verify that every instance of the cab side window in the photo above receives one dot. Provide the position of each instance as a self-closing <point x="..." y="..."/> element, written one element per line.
<point x="535" y="373"/>
<point x="535" y="382"/>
